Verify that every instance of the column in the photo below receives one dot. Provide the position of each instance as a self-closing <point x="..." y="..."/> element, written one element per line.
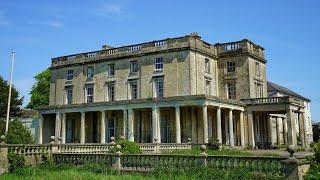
<point x="226" y="128"/>
<point x="155" y="117"/>
<point x="63" y="128"/>
<point x="292" y="135"/>
<point x="270" y="131"/>
<point x="251" y="129"/>
<point x="40" y="129"/>
<point x="241" y="130"/>
<point x="305" y="129"/>
<point x="130" y="125"/>
<point x="103" y="127"/>
<point x="178" y="130"/>
<point x="301" y="129"/>
<point x="57" y="125"/>
<point x="82" y="128"/>
<point x="278" y="131"/>
<point x="205" y="123"/>
<point x="231" y="128"/>
<point x="159" y="125"/>
<point x="285" y="130"/>
<point x="194" y="125"/>
<point x="219" y="128"/>
<point x="125" y="120"/>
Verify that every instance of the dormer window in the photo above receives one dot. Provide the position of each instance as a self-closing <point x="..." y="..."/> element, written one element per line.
<point x="158" y="64"/>
<point x="69" y="74"/>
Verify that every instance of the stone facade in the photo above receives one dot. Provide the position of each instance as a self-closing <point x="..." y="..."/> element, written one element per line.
<point x="167" y="91"/>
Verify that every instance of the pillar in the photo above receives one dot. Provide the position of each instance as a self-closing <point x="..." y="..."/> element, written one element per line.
<point x="130" y="125"/>
<point x="278" y="130"/>
<point x="301" y="129"/>
<point x="305" y="130"/>
<point x="82" y="128"/>
<point x="155" y="124"/>
<point x="125" y="120"/>
<point x="63" y="128"/>
<point x="57" y="125"/>
<point x="270" y="130"/>
<point x="251" y="129"/>
<point x="285" y="130"/>
<point x="205" y="123"/>
<point x="178" y="130"/>
<point x="219" y="128"/>
<point x="231" y="128"/>
<point x="292" y="135"/>
<point x="40" y="129"/>
<point x="242" y="130"/>
<point x="226" y="128"/>
<point x="194" y="125"/>
<point x="103" y="127"/>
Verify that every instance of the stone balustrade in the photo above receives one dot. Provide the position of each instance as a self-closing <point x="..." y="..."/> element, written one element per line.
<point x="269" y="100"/>
<point x="29" y="149"/>
<point x="83" y="148"/>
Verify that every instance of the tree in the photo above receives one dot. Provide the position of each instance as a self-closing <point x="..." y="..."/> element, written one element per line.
<point x="40" y="90"/>
<point x="17" y="133"/>
<point x="15" y="103"/>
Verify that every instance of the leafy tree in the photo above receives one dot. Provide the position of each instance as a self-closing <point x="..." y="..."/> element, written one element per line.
<point x="17" y="133"/>
<point x="16" y="102"/>
<point x="40" y="90"/>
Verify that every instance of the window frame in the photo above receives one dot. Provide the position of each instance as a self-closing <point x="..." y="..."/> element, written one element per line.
<point x="258" y="69"/>
<point x="70" y="74"/>
<point x="207" y="87"/>
<point x="231" y="90"/>
<point x="111" y="70"/>
<point x="230" y="67"/>
<point x="90" y="97"/>
<point x="90" y="74"/>
<point x="207" y="65"/>
<point x="134" y="67"/>
<point x="111" y="93"/>
<point x="67" y="91"/>
<point x="133" y="95"/>
<point x="159" y="90"/>
<point x="158" y="64"/>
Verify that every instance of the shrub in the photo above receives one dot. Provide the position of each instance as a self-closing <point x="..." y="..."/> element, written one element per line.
<point x="213" y="143"/>
<point x="18" y="133"/>
<point x="16" y="161"/>
<point x="127" y="147"/>
<point x="317" y="152"/>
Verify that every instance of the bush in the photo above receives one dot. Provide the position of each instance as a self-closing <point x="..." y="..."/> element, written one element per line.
<point x="16" y="161"/>
<point x="17" y="133"/>
<point x="317" y="152"/>
<point x="213" y="143"/>
<point x="127" y="147"/>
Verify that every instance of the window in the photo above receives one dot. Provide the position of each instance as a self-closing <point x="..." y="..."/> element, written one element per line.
<point x="134" y="90"/>
<point x="231" y="90"/>
<point x="89" y="94"/>
<point x="111" y="130"/>
<point x="259" y="90"/>
<point x="257" y="69"/>
<point x="159" y="63"/>
<point x="69" y="74"/>
<point x="208" y="89"/>
<point x="207" y="65"/>
<point x="231" y="66"/>
<point x="159" y="87"/>
<point x="133" y="66"/>
<point x="90" y="72"/>
<point x="111" y="70"/>
<point x="69" y="95"/>
<point x="111" y="92"/>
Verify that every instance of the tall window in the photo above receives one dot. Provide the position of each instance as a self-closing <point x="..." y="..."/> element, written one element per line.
<point x="159" y="63"/>
<point x="111" y="131"/>
<point x="231" y="67"/>
<point x="257" y="69"/>
<point x="89" y="94"/>
<point x="111" y="92"/>
<point x="259" y="90"/>
<point x="231" y="86"/>
<point x="207" y="65"/>
<point x="111" y="70"/>
<point x="69" y="94"/>
<point x="208" y="89"/>
<point x="159" y="87"/>
<point x="90" y="72"/>
<point x="134" y="90"/>
<point x="134" y="67"/>
<point x="69" y="74"/>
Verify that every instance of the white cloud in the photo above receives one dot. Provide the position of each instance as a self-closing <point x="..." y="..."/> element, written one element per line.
<point x="3" y="20"/>
<point x="110" y="9"/>
<point x="56" y="24"/>
<point x="50" y="23"/>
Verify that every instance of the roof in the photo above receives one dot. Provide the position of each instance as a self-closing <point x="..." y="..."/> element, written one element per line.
<point x="276" y="87"/>
<point x="28" y="113"/>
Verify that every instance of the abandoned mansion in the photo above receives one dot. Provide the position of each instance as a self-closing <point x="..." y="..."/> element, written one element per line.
<point x="171" y="91"/>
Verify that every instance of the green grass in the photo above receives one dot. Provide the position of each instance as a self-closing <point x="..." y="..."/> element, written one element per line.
<point x="223" y="152"/>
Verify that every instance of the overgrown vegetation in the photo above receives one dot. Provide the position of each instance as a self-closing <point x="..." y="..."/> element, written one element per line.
<point x="314" y="171"/>
<point x="223" y="151"/>
<point x="17" y="133"/>
<point x="16" y="161"/>
<point x="102" y="171"/>
<point x="127" y="147"/>
<point x="213" y="144"/>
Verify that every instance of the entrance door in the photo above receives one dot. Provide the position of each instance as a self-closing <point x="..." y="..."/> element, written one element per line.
<point x="111" y="131"/>
<point x="70" y="131"/>
<point x="165" y="129"/>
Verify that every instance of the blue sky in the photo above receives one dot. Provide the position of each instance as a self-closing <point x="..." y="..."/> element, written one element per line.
<point x="39" y="30"/>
